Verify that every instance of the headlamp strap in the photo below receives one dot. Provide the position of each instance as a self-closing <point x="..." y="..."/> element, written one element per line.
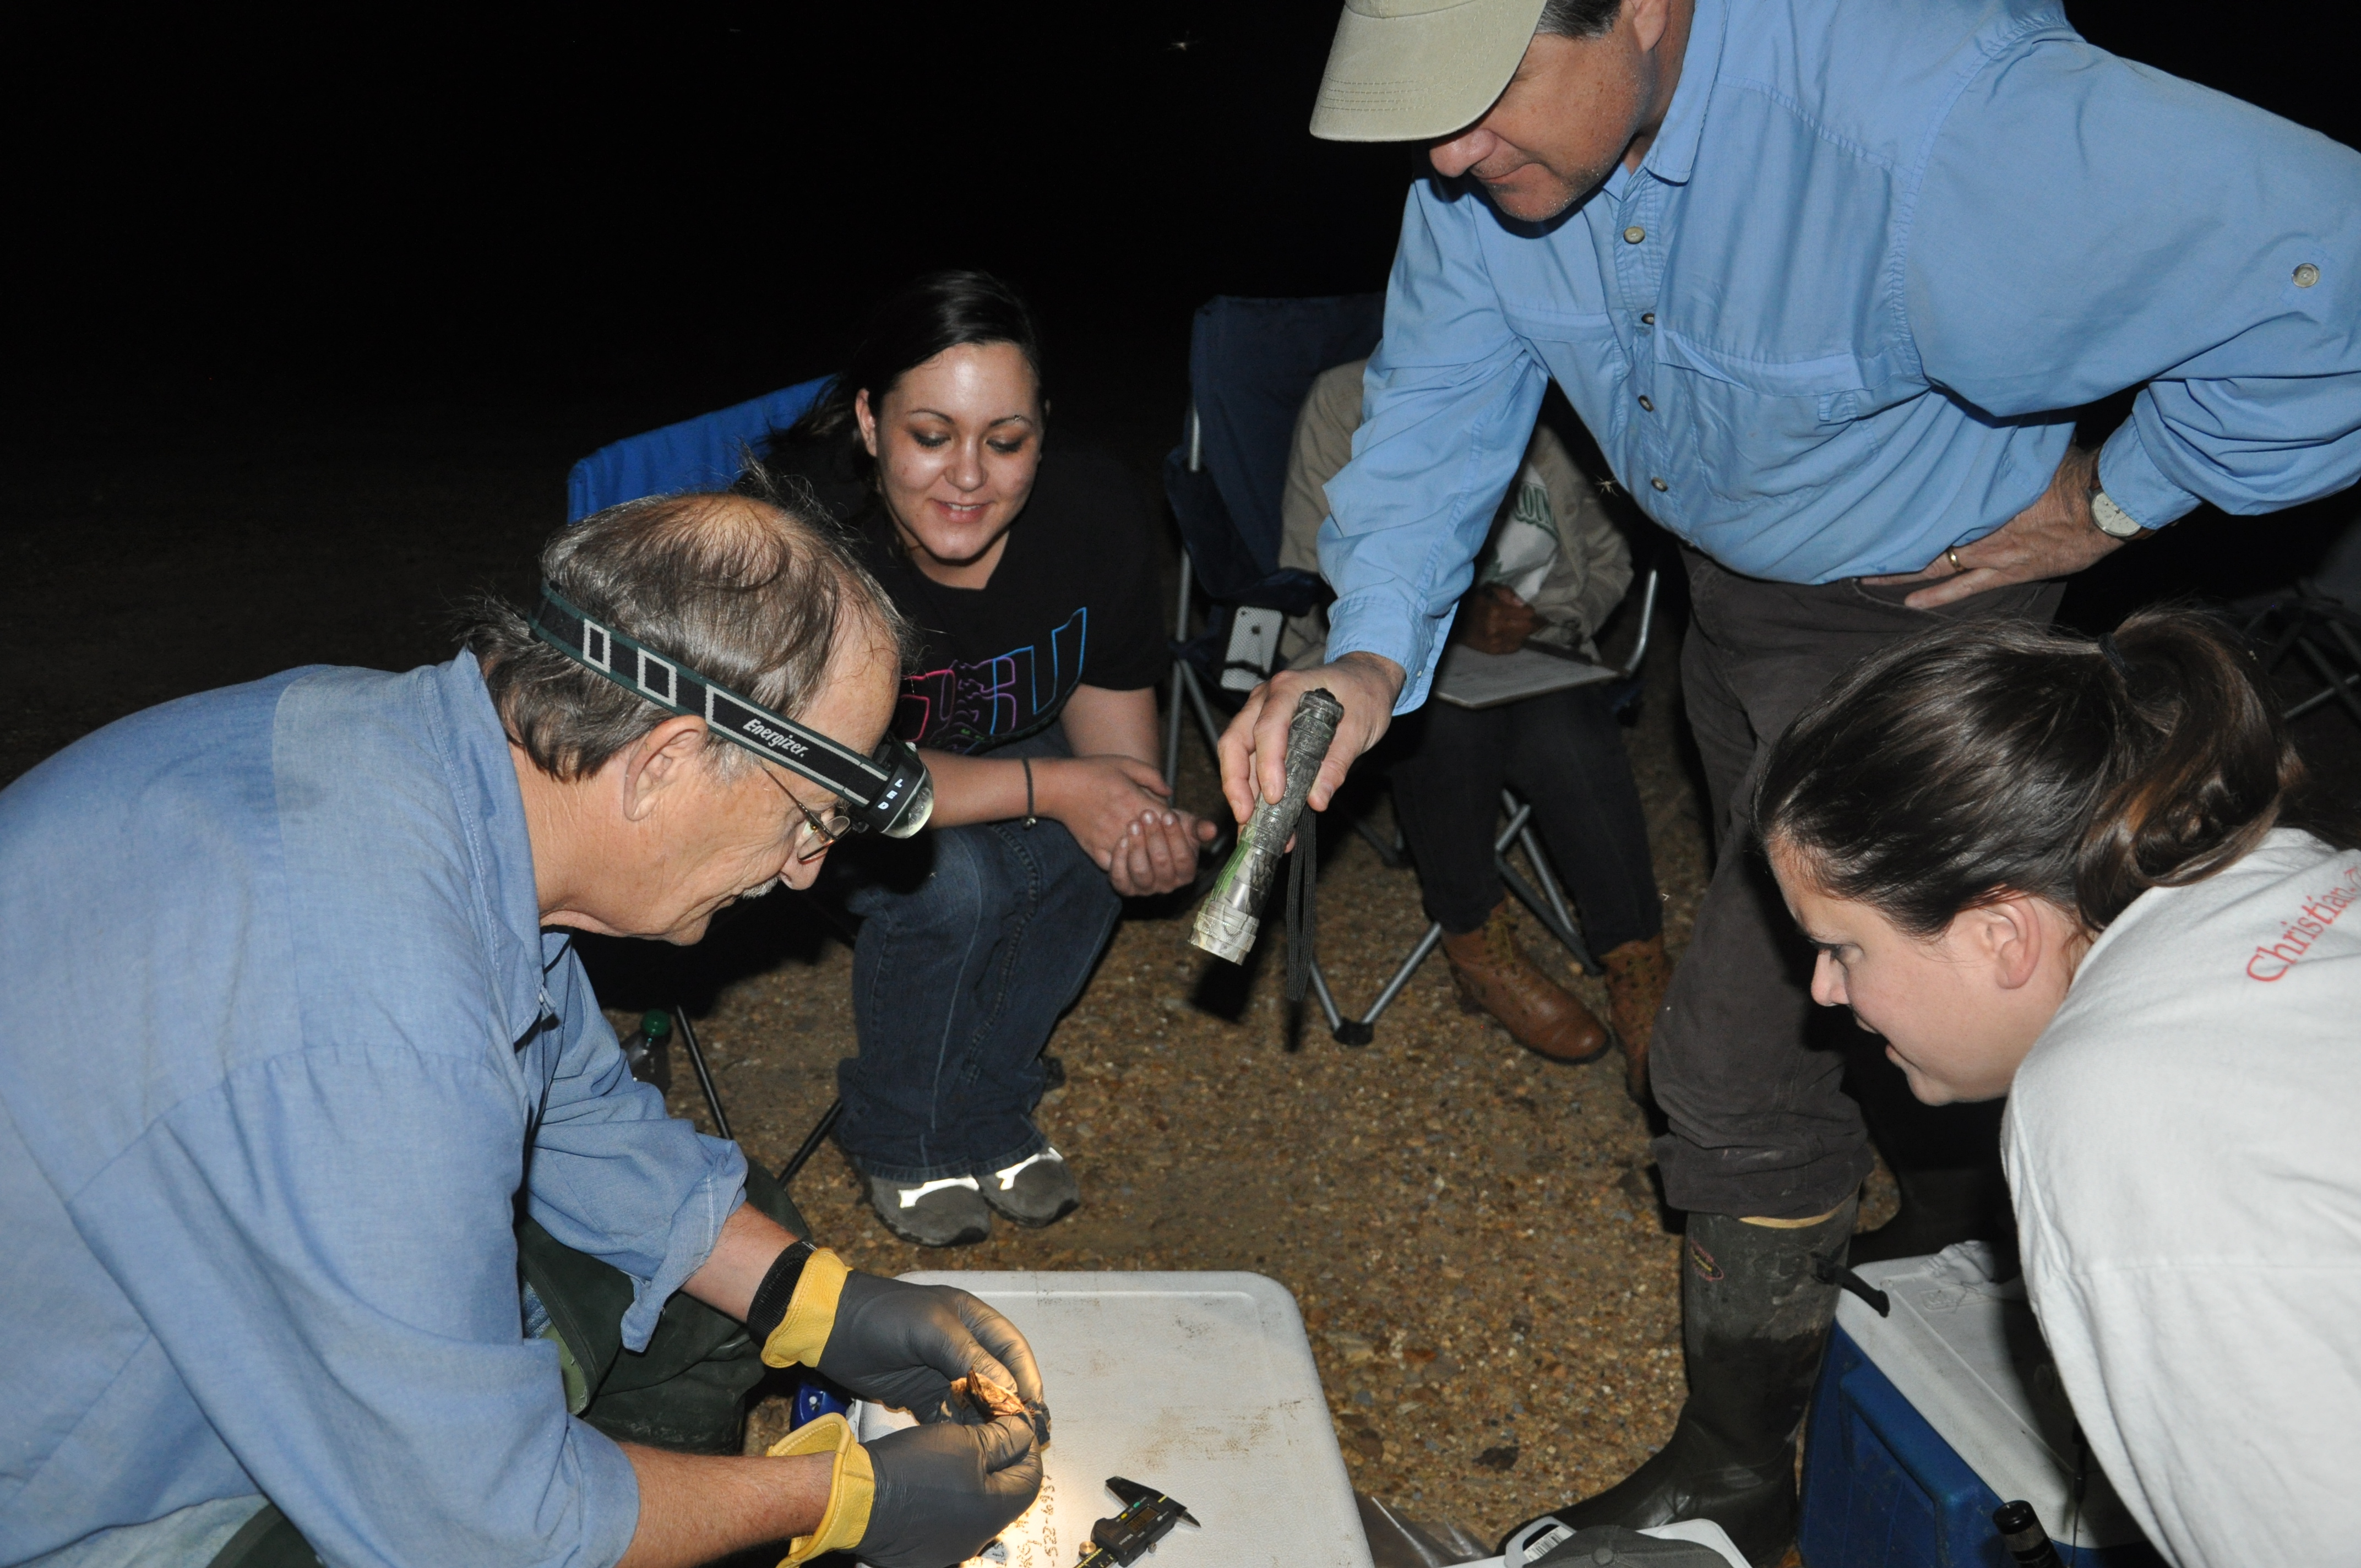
<point x="674" y="688"/>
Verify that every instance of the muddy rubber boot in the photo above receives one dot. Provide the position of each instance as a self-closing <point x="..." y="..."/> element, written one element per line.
<point x="1494" y="976"/>
<point x="1637" y="975"/>
<point x="1755" y="1323"/>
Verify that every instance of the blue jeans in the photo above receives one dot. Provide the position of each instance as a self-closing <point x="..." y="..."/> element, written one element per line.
<point x="973" y="941"/>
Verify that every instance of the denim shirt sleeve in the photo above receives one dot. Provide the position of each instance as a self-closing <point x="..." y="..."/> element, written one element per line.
<point x="2086" y="223"/>
<point x="1449" y="403"/>
<point x="323" y="1247"/>
<point x="614" y="1174"/>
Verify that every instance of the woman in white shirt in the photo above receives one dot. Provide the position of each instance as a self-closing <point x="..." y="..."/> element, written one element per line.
<point x="2072" y="873"/>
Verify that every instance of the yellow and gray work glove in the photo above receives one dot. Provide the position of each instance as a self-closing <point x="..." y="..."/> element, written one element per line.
<point x="918" y="1498"/>
<point x="889" y="1341"/>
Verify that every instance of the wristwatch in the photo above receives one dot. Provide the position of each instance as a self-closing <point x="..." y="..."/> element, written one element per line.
<point x="2112" y="520"/>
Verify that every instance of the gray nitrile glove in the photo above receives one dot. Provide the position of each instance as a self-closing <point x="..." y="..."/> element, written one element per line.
<point x="900" y="1344"/>
<point x="944" y="1491"/>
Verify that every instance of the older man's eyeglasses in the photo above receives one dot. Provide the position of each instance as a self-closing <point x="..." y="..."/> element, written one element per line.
<point x="821" y="829"/>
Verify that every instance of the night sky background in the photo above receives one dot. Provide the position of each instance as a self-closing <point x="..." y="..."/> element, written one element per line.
<point x="686" y="203"/>
<point x="310" y="313"/>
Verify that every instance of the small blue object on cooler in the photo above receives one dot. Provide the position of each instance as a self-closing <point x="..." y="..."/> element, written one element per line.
<point x="816" y="1397"/>
<point x="1929" y="1417"/>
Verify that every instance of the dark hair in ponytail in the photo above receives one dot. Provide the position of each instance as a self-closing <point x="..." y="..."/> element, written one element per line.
<point x="1983" y="758"/>
<point x="923" y="318"/>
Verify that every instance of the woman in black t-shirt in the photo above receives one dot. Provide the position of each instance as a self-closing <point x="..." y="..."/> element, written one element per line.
<point x="1032" y="580"/>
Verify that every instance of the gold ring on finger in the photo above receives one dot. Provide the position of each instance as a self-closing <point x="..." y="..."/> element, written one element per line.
<point x="1952" y="555"/>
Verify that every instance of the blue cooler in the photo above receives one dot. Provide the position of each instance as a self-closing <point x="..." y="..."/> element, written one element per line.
<point x="1928" y="1418"/>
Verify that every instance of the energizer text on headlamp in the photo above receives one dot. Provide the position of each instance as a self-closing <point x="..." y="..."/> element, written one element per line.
<point x="889" y="792"/>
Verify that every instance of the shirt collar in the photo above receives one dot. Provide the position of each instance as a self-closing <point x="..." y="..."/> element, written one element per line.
<point x="483" y="783"/>
<point x="1674" y="152"/>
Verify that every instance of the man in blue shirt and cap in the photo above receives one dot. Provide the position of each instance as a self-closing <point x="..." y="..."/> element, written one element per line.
<point x="1826" y="281"/>
<point x="337" y="1230"/>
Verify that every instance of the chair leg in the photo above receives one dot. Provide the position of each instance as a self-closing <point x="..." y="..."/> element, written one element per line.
<point x="1543" y="871"/>
<point x="1647" y="620"/>
<point x="1362" y="1032"/>
<point x="1205" y="710"/>
<point x="2340" y="685"/>
<point x="704" y="1074"/>
<point x="1172" y="718"/>
<point x="812" y="1141"/>
<point x="1172" y="734"/>
<point x="1546" y="875"/>
<point x="1367" y="1026"/>
<point x="2346" y="640"/>
<point x="1570" y="939"/>
<point x="1343" y="1029"/>
<point x="1550" y="906"/>
<point x="1393" y="856"/>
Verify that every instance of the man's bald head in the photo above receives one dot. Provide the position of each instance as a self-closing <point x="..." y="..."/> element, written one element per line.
<point x="749" y="593"/>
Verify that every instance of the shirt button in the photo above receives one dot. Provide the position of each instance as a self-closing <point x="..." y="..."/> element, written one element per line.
<point x="2306" y="276"/>
<point x="1648" y="320"/>
<point x="1660" y="484"/>
<point x="1646" y="404"/>
<point x="1634" y="235"/>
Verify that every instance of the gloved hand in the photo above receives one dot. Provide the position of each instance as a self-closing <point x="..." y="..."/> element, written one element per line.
<point x="896" y="1343"/>
<point x="944" y="1491"/>
<point x="920" y="1498"/>
<point x="900" y="1344"/>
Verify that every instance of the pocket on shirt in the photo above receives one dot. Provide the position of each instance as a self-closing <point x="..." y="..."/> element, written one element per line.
<point x="1770" y="429"/>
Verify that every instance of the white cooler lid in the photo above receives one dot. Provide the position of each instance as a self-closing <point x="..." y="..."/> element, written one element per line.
<point x="1201" y="1385"/>
<point x="1969" y="1356"/>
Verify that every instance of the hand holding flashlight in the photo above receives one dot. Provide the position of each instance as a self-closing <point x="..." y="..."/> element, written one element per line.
<point x="1253" y="747"/>
<point x="1228" y="919"/>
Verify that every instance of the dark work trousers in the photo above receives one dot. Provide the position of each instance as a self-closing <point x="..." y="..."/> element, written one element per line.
<point x="686" y="1391"/>
<point x="1564" y="753"/>
<point x="1760" y="1123"/>
<point x="974" y="940"/>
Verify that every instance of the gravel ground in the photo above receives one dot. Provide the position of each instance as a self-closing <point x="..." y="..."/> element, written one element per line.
<point x="1471" y="1231"/>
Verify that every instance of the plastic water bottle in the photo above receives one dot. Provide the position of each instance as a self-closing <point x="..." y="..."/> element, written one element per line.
<point x="2021" y="1533"/>
<point x="648" y="1050"/>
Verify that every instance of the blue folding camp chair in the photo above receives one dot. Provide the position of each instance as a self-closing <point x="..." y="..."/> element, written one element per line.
<point x="702" y="454"/>
<point x="1251" y="364"/>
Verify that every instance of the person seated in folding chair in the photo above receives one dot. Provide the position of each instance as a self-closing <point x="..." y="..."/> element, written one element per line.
<point x="338" y="1229"/>
<point x="1033" y="581"/>
<point x="1554" y="568"/>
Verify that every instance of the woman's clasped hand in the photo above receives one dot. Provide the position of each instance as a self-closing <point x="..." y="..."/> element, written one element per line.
<point x="1118" y="809"/>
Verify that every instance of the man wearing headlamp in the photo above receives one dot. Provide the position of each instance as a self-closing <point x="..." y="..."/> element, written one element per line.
<point x="339" y="1089"/>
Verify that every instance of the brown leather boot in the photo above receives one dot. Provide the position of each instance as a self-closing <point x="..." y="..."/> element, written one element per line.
<point x="1494" y="976"/>
<point x="1637" y="974"/>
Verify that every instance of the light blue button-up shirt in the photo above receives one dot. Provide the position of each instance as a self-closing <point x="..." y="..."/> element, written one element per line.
<point x="1826" y="328"/>
<point x="286" y="1045"/>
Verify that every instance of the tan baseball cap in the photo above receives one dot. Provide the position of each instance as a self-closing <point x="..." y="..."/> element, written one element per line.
<point x="1410" y="70"/>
